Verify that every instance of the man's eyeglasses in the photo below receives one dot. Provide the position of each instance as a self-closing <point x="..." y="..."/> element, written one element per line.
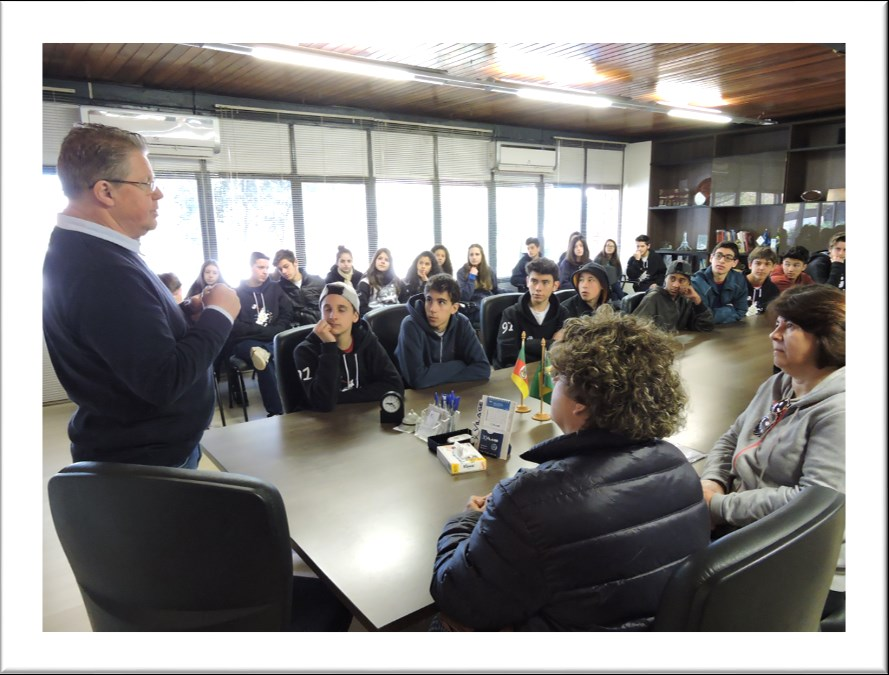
<point x="723" y="256"/>
<point x="776" y="413"/>
<point x="151" y="185"/>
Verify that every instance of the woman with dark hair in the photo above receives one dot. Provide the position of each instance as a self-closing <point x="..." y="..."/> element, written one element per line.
<point x="793" y="432"/>
<point x="577" y="255"/>
<point x="610" y="260"/>
<point x="587" y="539"/>
<point x="379" y="286"/>
<point x="342" y="269"/>
<point x="424" y="266"/>
<point x="477" y="281"/>
<point x="443" y="258"/>
<point x="209" y="276"/>
<point x="171" y="281"/>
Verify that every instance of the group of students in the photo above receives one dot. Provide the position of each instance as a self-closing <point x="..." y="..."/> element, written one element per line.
<point x="588" y="539"/>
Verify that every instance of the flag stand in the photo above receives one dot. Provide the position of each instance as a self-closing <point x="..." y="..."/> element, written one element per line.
<point x="521" y="407"/>
<point x="541" y="416"/>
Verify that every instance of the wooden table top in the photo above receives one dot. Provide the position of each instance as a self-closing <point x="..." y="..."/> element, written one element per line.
<point x="365" y="504"/>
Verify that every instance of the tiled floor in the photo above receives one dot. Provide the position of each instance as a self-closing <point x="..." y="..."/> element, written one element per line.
<point x="63" y="608"/>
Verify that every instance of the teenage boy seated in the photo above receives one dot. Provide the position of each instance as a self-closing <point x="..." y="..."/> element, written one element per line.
<point x="302" y="288"/>
<point x="437" y="345"/>
<point x="532" y="245"/>
<point x="829" y="267"/>
<point x="593" y="290"/>
<point x="723" y="290"/>
<point x="537" y="313"/>
<point x="792" y="271"/>
<point x="760" y="289"/>
<point x="676" y="306"/>
<point x="341" y="361"/>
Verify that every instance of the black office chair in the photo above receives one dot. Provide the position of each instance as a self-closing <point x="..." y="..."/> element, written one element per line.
<point x="489" y="320"/>
<point x="629" y="303"/>
<point x="161" y="549"/>
<point x="237" y="389"/>
<point x="385" y="322"/>
<point x="289" y="385"/>
<point x="565" y="294"/>
<point x="772" y="575"/>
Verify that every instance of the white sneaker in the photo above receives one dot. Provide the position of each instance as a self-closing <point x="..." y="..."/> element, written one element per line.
<point x="260" y="357"/>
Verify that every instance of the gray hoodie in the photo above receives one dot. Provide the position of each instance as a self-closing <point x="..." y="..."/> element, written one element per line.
<point x="806" y="447"/>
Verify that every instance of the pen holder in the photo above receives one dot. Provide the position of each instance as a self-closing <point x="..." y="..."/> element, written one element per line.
<point x="454" y="421"/>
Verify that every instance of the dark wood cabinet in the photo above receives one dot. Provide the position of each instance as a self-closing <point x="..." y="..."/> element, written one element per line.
<point x="756" y="179"/>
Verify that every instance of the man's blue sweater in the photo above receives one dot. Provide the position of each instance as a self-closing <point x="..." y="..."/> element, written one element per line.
<point x="123" y="351"/>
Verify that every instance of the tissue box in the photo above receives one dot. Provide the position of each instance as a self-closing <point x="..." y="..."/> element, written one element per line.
<point x="469" y="458"/>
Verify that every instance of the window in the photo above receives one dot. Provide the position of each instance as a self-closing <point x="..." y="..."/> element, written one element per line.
<point x="252" y="214"/>
<point x="176" y="245"/>
<point x="561" y="218"/>
<point x="52" y="201"/>
<point x="404" y="221"/>
<point x="516" y="221"/>
<point x="335" y="214"/>
<point x="464" y="221"/>
<point x="602" y="217"/>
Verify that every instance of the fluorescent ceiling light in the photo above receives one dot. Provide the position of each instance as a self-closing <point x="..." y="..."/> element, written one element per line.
<point x="341" y="65"/>
<point x="717" y="118"/>
<point x="564" y="97"/>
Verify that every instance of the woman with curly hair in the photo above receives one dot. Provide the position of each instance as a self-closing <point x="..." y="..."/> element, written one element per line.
<point x="424" y="266"/>
<point x="379" y="286"/>
<point x="588" y="539"/>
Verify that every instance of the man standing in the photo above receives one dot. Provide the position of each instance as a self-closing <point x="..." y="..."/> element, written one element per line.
<point x="265" y="312"/>
<point x="760" y="289"/>
<point x="302" y="288"/>
<point x="676" y="306"/>
<point x="723" y="291"/>
<point x="436" y="345"/>
<point x="645" y="268"/>
<point x="593" y="291"/>
<point x="792" y="271"/>
<point x="532" y="245"/>
<point x="537" y="313"/>
<point x="140" y="376"/>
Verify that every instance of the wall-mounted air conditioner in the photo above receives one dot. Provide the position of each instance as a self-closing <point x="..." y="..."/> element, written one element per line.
<point x="525" y="158"/>
<point x="165" y="133"/>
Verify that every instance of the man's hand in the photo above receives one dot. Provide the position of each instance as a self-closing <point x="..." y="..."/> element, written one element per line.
<point x="223" y="297"/>
<point x="836" y="256"/>
<point x="690" y="293"/>
<point x="477" y="503"/>
<point x="558" y="334"/>
<point x="322" y="330"/>
<point x="193" y="305"/>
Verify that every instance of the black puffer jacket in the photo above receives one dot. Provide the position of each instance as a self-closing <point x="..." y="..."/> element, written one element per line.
<point x="586" y="541"/>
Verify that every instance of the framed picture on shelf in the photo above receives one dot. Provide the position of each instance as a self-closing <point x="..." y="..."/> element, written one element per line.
<point x="702" y="242"/>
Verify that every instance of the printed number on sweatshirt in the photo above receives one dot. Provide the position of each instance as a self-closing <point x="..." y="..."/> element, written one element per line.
<point x="506" y="327"/>
<point x="304" y="374"/>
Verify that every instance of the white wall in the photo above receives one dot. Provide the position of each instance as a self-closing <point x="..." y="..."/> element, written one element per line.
<point x="634" y="208"/>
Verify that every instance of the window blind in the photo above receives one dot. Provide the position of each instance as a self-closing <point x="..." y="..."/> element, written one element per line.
<point x="330" y="151"/>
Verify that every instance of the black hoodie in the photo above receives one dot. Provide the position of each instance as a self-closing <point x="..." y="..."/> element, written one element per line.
<point x="330" y="376"/>
<point x="518" y="318"/>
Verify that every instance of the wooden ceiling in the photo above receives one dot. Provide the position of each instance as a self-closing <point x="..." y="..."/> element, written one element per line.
<point x="781" y="82"/>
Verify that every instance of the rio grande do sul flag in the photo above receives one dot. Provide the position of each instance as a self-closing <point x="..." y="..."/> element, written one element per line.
<point x="520" y="372"/>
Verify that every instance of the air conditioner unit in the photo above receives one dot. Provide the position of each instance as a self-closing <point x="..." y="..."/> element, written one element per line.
<point x="165" y="133"/>
<point x="525" y="158"/>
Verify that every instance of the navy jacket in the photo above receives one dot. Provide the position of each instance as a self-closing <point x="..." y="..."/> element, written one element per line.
<point x="124" y="352"/>
<point x="427" y="360"/>
<point x="518" y="318"/>
<point x="586" y="541"/>
<point x="304" y="298"/>
<point x="269" y="296"/>
<point x="330" y="376"/>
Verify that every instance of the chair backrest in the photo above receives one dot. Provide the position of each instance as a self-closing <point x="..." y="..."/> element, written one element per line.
<point x="629" y="303"/>
<point x="161" y="549"/>
<point x="289" y="385"/>
<point x="565" y="294"/>
<point x="385" y="322"/>
<point x="489" y="320"/>
<point x="771" y="575"/>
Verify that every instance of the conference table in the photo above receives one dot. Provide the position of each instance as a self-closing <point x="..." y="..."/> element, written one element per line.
<point x="365" y="503"/>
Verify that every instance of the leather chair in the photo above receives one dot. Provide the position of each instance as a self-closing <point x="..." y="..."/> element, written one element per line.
<point x="489" y="320"/>
<point x="385" y="322"/>
<point x="289" y="385"/>
<point x="771" y="575"/>
<point x="629" y="303"/>
<point x="565" y="294"/>
<point x="162" y="549"/>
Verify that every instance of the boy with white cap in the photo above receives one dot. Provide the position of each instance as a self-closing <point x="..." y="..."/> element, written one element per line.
<point x="342" y="361"/>
<point x="677" y="305"/>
